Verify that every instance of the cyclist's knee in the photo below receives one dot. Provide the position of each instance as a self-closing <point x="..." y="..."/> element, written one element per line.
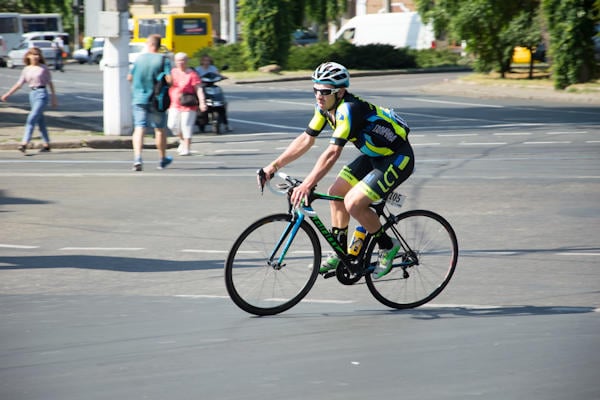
<point x="355" y="201"/>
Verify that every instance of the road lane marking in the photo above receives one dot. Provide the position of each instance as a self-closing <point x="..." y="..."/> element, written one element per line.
<point x="456" y="134"/>
<point x="458" y="103"/>
<point x="17" y="246"/>
<point x="482" y="144"/>
<point x="237" y="150"/>
<point x="513" y="134"/>
<point x="574" y="253"/>
<point x="295" y="128"/>
<point x="101" y="248"/>
<point x="205" y="251"/>
<point x="201" y="296"/>
<point x="549" y="142"/>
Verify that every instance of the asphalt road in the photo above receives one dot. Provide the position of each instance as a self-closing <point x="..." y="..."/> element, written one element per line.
<point x="111" y="281"/>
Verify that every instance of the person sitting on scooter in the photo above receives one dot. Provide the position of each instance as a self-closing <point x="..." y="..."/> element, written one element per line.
<point x="207" y="66"/>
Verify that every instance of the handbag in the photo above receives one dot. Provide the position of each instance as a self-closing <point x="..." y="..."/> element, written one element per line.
<point x="188" y="99"/>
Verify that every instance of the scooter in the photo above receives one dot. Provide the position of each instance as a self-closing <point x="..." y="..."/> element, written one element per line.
<point x="216" y="103"/>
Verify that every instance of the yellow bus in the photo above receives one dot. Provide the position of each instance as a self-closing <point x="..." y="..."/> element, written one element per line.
<point x="187" y="32"/>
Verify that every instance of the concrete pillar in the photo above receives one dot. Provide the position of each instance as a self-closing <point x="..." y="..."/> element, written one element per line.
<point x="118" y="119"/>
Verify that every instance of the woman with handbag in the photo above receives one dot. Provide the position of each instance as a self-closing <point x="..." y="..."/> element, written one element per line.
<point x="186" y="96"/>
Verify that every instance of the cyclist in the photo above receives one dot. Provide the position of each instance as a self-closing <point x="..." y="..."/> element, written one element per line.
<point x="386" y="161"/>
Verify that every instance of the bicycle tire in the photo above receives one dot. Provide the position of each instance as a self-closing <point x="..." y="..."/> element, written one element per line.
<point x="434" y="241"/>
<point x="261" y="289"/>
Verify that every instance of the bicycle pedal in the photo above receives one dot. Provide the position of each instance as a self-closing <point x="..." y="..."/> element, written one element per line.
<point x="328" y="274"/>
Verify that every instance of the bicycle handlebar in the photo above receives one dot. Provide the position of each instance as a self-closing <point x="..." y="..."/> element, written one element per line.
<point x="281" y="188"/>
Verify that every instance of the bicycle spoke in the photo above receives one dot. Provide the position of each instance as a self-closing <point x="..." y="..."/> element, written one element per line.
<point x="434" y="245"/>
<point x="264" y="289"/>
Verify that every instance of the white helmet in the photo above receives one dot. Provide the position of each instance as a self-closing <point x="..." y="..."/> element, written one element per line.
<point x="331" y="73"/>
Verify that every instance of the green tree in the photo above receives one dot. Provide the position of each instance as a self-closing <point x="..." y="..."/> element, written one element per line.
<point x="323" y="12"/>
<point x="266" y="31"/>
<point x="525" y="31"/>
<point x="572" y="28"/>
<point x="490" y="28"/>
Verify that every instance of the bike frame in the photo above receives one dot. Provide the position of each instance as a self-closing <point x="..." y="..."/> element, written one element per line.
<point x="299" y="216"/>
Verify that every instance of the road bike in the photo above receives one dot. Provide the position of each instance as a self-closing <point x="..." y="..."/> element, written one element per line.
<point x="275" y="262"/>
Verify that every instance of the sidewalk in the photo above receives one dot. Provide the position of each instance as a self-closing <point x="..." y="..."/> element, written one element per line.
<point x="12" y="119"/>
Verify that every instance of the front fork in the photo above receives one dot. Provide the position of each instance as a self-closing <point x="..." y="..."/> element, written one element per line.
<point x="285" y="241"/>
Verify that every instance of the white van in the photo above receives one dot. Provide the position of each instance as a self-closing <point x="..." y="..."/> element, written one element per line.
<point x="402" y="29"/>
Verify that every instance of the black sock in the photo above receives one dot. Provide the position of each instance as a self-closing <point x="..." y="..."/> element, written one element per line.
<point x="383" y="239"/>
<point x="341" y="235"/>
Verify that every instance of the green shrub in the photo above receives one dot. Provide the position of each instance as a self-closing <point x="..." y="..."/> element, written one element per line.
<point x="376" y="56"/>
<point x="436" y="58"/>
<point x="230" y="54"/>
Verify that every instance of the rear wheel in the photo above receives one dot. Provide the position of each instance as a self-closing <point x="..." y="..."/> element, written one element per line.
<point x="423" y="266"/>
<point x="254" y="279"/>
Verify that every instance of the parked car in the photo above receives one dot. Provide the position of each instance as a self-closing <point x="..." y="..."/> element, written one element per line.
<point x="303" y="37"/>
<point x="81" y="55"/>
<point x="51" y="36"/>
<point x="15" y="56"/>
<point x="3" y="52"/>
<point x="522" y="55"/>
<point x="137" y="48"/>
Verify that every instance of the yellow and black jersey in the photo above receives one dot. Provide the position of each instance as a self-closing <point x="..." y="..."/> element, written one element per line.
<point x="374" y="130"/>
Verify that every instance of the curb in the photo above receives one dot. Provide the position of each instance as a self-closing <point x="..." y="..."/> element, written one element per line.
<point x="356" y="73"/>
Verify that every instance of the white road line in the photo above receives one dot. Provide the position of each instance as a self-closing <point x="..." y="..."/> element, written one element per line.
<point x="296" y="103"/>
<point x="101" y="248"/>
<point x="458" y="103"/>
<point x="578" y="254"/>
<point x="592" y="141"/>
<point x="513" y="134"/>
<point x="295" y="128"/>
<point x="425" y="144"/>
<point x="90" y="98"/>
<point x="204" y="251"/>
<point x="201" y="296"/>
<point x="17" y="246"/>
<point x="482" y="144"/>
<point x="511" y="125"/>
<point x="549" y="142"/>
<point x="456" y="134"/>
<point x="237" y="150"/>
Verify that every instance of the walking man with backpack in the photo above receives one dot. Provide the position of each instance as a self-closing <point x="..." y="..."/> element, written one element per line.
<point x="147" y="69"/>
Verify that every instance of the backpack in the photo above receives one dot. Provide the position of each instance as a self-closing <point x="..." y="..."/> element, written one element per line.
<point x="160" y="99"/>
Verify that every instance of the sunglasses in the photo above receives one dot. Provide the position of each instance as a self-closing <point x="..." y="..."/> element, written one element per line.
<point x="325" y="92"/>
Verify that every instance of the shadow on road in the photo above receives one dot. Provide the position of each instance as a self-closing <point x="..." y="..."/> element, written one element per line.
<point x="121" y="264"/>
<point x="433" y="312"/>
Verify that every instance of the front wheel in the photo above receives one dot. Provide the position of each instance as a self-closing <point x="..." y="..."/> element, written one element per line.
<point x="257" y="281"/>
<point x="423" y="266"/>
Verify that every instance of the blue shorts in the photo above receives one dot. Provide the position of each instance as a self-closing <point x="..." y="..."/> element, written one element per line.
<point x="145" y="117"/>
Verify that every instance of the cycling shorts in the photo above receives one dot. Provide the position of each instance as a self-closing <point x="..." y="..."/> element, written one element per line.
<point x="376" y="177"/>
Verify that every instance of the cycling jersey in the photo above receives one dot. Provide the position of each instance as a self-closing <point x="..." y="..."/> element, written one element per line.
<point x="374" y="130"/>
<point x="382" y="137"/>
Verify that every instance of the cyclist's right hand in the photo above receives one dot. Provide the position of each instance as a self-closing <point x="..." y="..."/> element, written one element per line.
<point x="262" y="178"/>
